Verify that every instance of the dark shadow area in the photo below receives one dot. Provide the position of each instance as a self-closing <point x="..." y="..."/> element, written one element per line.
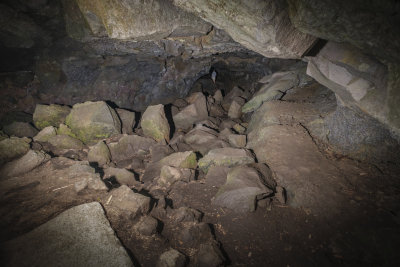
<point x="168" y="115"/>
<point x="314" y="50"/>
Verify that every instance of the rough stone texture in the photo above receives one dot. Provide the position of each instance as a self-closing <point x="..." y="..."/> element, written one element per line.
<point x="171" y="258"/>
<point x="370" y="28"/>
<point x="155" y="124"/>
<point x="235" y="109"/>
<point x="130" y="146"/>
<point x="64" y="129"/>
<point x="20" y="129"/>
<point x="123" y="177"/>
<point x="261" y="26"/>
<point x="239" y="193"/>
<point x="185" y="214"/>
<point x="237" y="140"/>
<point x="128" y="120"/>
<point x="100" y="154"/>
<point x="65" y="142"/>
<point x="147" y="226"/>
<point x="26" y="163"/>
<point x="169" y="175"/>
<point x="45" y="134"/>
<point x="203" y="139"/>
<point x="93" y="121"/>
<point x="196" y="111"/>
<point x="50" y="115"/>
<point x="80" y="236"/>
<point x="128" y="201"/>
<point x="209" y="254"/>
<point x="228" y="156"/>
<point x="13" y="147"/>
<point x="181" y="160"/>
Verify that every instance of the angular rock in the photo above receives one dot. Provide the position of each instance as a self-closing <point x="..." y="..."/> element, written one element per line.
<point x="45" y="134"/>
<point x="130" y="146"/>
<point x="192" y="234"/>
<point x="147" y="226"/>
<point x="216" y="176"/>
<point x="195" y="112"/>
<point x="169" y="175"/>
<point x="99" y="154"/>
<point x="216" y="110"/>
<point x="280" y="195"/>
<point x="225" y="133"/>
<point x="226" y="124"/>
<point x="80" y="236"/>
<point x="218" y="97"/>
<point x="93" y="121"/>
<point x="171" y="258"/>
<point x="237" y="140"/>
<point x="228" y="156"/>
<point x="128" y="120"/>
<point x="230" y="96"/>
<point x="128" y="201"/>
<point x="50" y="115"/>
<point x="123" y="176"/>
<point x="185" y="214"/>
<point x="240" y="128"/>
<point x="26" y="163"/>
<point x="235" y="109"/>
<point x="155" y="124"/>
<point x="242" y="188"/>
<point x="65" y="142"/>
<point x="186" y="159"/>
<point x="209" y="254"/>
<point x="65" y="130"/>
<point x="158" y="152"/>
<point x="13" y="147"/>
<point x="20" y="129"/>
<point x="203" y="139"/>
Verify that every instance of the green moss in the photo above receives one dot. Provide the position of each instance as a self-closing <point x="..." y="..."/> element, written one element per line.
<point x="152" y="130"/>
<point x="190" y="162"/>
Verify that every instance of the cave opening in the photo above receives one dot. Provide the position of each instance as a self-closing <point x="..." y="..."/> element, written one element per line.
<point x="199" y="133"/>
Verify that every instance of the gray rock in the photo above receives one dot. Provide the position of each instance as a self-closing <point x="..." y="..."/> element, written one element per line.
<point x="26" y="163"/>
<point x="130" y="146"/>
<point x="230" y="96"/>
<point x="93" y="121"/>
<point x="99" y="154"/>
<point x="243" y="187"/>
<point x="45" y="134"/>
<point x="50" y="115"/>
<point x="20" y="129"/>
<point x="209" y="255"/>
<point x="196" y="111"/>
<point x="185" y="214"/>
<point x="155" y="124"/>
<point x="203" y="139"/>
<point x="171" y="258"/>
<point x="128" y="201"/>
<point x="169" y="175"/>
<point x="13" y="147"/>
<point x="147" y="226"/>
<point x="186" y="159"/>
<point x="123" y="176"/>
<point x="65" y="142"/>
<point x="80" y="236"/>
<point x="235" y="109"/>
<point x="128" y="120"/>
<point x="237" y="140"/>
<point x="228" y="157"/>
<point x="158" y="152"/>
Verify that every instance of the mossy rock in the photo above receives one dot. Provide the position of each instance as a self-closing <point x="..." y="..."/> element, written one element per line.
<point x="13" y="147"/>
<point x="65" y="142"/>
<point x="186" y="160"/>
<point x="50" y="115"/>
<point x="155" y="124"/>
<point x="65" y="130"/>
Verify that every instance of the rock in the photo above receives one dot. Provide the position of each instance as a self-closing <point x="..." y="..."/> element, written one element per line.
<point x="99" y="154"/>
<point x="50" y="115"/>
<point x="13" y="147"/>
<point x="20" y="129"/>
<point x="65" y="142"/>
<point x="226" y="124"/>
<point x="192" y="234"/>
<point x="65" y="130"/>
<point x="216" y="176"/>
<point x="218" y="97"/>
<point x="274" y="89"/>
<point x="123" y="177"/>
<point x="216" y="110"/>
<point x="225" y="133"/>
<point x="130" y="146"/>
<point x="80" y="236"/>
<point x="240" y="128"/>
<point x="280" y="195"/>
<point x="186" y="159"/>
<point x="169" y="175"/>
<point x="180" y="103"/>
<point x="195" y="112"/>
<point x="203" y="139"/>
<point x="155" y="124"/>
<point x="45" y="134"/>
<point x="235" y="109"/>
<point x="243" y="187"/>
<point x="26" y="163"/>
<point x="128" y="120"/>
<point x="147" y="226"/>
<point x="228" y="156"/>
<point x="93" y="121"/>
<point x="128" y="201"/>
<point x="171" y="258"/>
<point x="230" y="96"/>
<point x="262" y="26"/>
<point x="185" y="214"/>
<point x="158" y="152"/>
<point x="210" y="255"/>
<point x="237" y="140"/>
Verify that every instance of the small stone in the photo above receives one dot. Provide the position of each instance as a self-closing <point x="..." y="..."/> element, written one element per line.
<point x="158" y="152"/>
<point x="171" y="258"/>
<point x="128" y="120"/>
<point x="235" y="92"/>
<point x="209" y="255"/>
<point x="180" y="103"/>
<point x="147" y="226"/>
<point x="216" y="110"/>
<point x="20" y="129"/>
<point x="237" y="140"/>
<point x="239" y="128"/>
<point x="169" y="175"/>
<point x="235" y="109"/>
<point x="96" y="183"/>
<point x="26" y="163"/>
<point x="203" y="139"/>
<point x="50" y="115"/>
<point x="130" y="146"/>
<point x="155" y="124"/>
<point x="226" y="124"/>
<point x="195" y="112"/>
<point x="99" y="154"/>
<point x="225" y="133"/>
<point x="123" y="176"/>
<point x="192" y="234"/>
<point x="45" y="134"/>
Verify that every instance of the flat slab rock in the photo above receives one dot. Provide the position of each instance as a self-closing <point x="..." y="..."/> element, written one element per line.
<point x="80" y="236"/>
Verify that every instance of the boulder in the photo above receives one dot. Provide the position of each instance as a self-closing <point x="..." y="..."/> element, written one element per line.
<point x="243" y="187"/>
<point x="99" y="154"/>
<point x="196" y="111"/>
<point x="20" y="129"/>
<point x="155" y="124"/>
<point x="209" y="254"/>
<point x="65" y="142"/>
<point x="130" y="146"/>
<point x="50" y="115"/>
<point x="146" y="226"/>
<point x="45" y="134"/>
<point x="158" y="151"/>
<point x="185" y="214"/>
<point x="128" y="120"/>
<point x="237" y="140"/>
<point x="230" y="96"/>
<point x="218" y="97"/>
<point x="13" y="147"/>
<point x="171" y="258"/>
<point x="216" y="176"/>
<point x="128" y="201"/>
<point x="186" y="159"/>
<point x="169" y="175"/>
<point x="203" y="139"/>
<point x="228" y="156"/>
<point x="123" y="176"/>
<point x="65" y="130"/>
<point x="93" y="121"/>
<point x="80" y="236"/>
<point x="26" y="163"/>
<point x="235" y="109"/>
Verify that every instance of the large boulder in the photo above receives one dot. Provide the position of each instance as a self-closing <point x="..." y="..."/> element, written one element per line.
<point x="155" y="124"/>
<point x="196" y="111"/>
<point x="130" y="146"/>
<point x="127" y="201"/>
<point x="50" y="115"/>
<point x="93" y="121"/>
<point x="80" y="236"/>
